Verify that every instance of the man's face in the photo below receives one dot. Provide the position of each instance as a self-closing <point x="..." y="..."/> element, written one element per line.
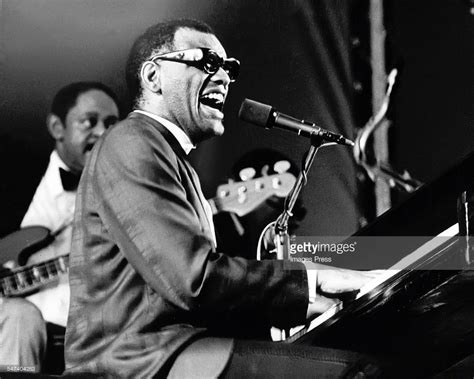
<point x="85" y="122"/>
<point x="185" y="89"/>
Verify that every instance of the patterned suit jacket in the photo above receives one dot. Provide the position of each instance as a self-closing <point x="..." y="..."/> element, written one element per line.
<point x="144" y="276"/>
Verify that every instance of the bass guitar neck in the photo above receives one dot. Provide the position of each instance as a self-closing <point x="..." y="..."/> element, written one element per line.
<point x="24" y="280"/>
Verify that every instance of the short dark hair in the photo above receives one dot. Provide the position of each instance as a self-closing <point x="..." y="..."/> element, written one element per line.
<point x="67" y="96"/>
<point x="155" y="39"/>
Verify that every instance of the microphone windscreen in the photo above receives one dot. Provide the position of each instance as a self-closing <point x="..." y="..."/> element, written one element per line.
<point x="255" y="112"/>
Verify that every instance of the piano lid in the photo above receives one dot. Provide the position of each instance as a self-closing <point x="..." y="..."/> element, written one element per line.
<point x="429" y="210"/>
<point x="421" y="319"/>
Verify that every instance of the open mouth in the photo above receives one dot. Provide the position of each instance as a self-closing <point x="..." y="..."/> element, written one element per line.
<point x="214" y="100"/>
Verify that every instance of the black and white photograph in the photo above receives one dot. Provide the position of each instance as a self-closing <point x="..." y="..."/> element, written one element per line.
<point x="236" y="189"/>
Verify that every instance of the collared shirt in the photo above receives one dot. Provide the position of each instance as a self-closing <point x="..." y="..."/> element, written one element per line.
<point x="52" y="206"/>
<point x="187" y="146"/>
<point x="176" y="131"/>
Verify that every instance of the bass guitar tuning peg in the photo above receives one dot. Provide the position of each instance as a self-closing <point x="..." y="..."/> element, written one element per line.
<point x="247" y="174"/>
<point x="281" y="166"/>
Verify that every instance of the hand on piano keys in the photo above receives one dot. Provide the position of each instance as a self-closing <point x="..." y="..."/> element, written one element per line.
<point x="332" y="283"/>
<point x="381" y="276"/>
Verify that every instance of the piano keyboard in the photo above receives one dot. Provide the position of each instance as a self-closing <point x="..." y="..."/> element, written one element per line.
<point x="382" y="278"/>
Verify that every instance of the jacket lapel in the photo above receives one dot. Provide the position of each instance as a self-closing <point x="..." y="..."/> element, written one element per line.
<point x="191" y="182"/>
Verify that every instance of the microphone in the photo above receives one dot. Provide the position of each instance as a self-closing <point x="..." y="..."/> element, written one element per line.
<point x="268" y="117"/>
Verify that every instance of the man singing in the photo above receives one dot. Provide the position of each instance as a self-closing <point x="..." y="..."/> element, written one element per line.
<point x="151" y="295"/>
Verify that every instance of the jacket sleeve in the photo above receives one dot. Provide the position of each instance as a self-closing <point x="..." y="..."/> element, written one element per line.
<point x="146" y="207"/>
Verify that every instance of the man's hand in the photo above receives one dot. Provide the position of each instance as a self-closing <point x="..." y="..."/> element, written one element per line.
<point x="10" y="265"/>
<point x="319" y="304"/>
<point x="333" y="281"/>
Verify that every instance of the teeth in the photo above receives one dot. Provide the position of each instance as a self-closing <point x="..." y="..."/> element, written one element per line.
<point x="218" y="97"/>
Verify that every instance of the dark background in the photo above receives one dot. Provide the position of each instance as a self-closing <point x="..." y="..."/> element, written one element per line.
<point x="297" y="55"/>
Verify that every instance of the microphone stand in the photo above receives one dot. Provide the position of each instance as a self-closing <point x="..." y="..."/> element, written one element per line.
<point x="282" y="237"/>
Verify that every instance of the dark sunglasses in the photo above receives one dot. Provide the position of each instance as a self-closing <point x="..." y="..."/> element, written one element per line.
<point x="204" y="59"/>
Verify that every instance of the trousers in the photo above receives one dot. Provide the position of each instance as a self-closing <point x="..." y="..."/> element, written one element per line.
<point x="22" y="334"/>
<point x="266" y="359"/>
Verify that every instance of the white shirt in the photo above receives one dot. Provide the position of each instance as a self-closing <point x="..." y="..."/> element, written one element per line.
<point x="53" y="208"/>
<point x="175" y="130"/>
<point x="187" y="146"/>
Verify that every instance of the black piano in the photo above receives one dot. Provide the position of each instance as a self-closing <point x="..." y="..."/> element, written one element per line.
<point x="419" y="318"/>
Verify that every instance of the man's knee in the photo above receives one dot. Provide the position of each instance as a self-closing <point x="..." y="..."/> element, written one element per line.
<point x="22" y="324"/>
<point x="21" y="313"/>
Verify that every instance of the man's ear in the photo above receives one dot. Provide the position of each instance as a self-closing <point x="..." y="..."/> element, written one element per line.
<point x="150" y="75"/>
<point x="55" y="127"/>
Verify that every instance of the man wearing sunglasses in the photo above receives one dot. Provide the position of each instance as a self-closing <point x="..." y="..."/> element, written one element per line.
<point x="150" y="292"/>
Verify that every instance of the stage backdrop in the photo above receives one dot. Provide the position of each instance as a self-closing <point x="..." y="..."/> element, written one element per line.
<point x="295" y="56"/>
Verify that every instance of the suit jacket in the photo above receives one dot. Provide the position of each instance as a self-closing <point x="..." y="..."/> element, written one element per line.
<point x="144" y="276"/>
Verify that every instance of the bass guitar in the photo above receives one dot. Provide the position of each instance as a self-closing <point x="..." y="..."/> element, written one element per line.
<point x="37" y="281"/>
